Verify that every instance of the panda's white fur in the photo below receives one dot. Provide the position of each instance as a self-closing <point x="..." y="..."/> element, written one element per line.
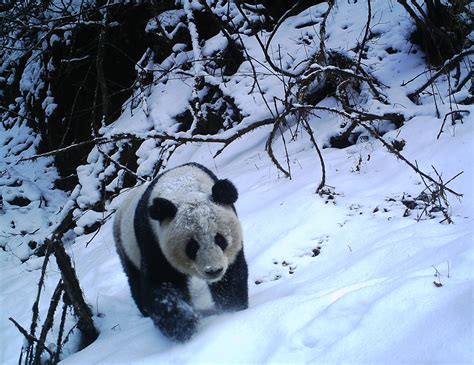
<point x="124" y="230"/>
<point x="201" y="296"/>
<point x="213" y="278"/>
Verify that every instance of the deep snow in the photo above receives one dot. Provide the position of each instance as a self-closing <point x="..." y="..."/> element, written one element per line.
<point x="367" y="297"/>
<point x="339" y="278"/>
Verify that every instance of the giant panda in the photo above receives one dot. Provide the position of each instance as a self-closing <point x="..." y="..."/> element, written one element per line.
<point x="180" y="243"/>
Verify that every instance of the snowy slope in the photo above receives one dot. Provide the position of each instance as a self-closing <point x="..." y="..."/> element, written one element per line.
<point x="350" y="277"/>
<point x="368" y="296"/>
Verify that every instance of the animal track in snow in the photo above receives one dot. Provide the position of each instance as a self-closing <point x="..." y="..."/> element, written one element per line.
<point x="289" y="266"/>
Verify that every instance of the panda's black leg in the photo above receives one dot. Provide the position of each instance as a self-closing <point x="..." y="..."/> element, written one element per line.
<point x="134" y="280"/>
<point x="135" y="285"/>
<point x="170" y="312"/>
<point x="231" y="292"/>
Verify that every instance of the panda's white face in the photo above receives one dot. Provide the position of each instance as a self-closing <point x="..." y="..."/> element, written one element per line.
<point x="203" y="238"/>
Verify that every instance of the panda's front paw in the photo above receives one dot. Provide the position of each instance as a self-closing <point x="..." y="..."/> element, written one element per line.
<point x="173" y="315"/>
<point x="178" y="326"/>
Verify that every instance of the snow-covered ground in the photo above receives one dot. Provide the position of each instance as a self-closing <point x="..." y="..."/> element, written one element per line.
<point x="351" y="276"/>
<point x="368" y="296"/>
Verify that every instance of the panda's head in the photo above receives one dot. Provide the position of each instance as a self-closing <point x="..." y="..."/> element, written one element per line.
<point x="199" y="234"/>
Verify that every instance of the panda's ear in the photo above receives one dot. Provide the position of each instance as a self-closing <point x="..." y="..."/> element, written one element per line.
<point x="162" y="209"/>
<point x="224" y="192"/>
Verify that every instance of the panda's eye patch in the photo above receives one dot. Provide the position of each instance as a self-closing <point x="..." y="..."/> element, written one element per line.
<point x="220" y="241"/>
<point x="192" y="248"/>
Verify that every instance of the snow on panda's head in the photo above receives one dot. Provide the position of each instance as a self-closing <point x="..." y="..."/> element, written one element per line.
<point x="199" y="235"/>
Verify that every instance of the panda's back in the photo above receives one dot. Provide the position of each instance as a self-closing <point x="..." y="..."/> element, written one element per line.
<point x="179" y="183"/>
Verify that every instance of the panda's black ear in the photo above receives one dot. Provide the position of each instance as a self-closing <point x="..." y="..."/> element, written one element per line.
<point x="162" y="209"/>
<point x="224" y="192"/>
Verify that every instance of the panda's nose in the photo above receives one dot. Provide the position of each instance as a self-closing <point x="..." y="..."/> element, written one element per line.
<point x="214" y="273"/>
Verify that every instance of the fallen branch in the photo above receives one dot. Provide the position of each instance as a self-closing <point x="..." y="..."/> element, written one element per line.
<point x="463" y="82"/>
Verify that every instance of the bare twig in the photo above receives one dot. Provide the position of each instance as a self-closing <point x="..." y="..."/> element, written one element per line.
<point x="404" y="159"/>
<point x="71" y="287"/>
<point x="318" y="151"/>
<point x="290" y="12"/>
<point x="262" y="46"/>
<point x="238" y="132"/>
<point x="18" y="115"/>
<point x="446" y="117"/>
<point x="438" y="283"/>
<point x="441" y="196"/>
<point x="120" y="166"/>
<point x="35" y="308"/>
<point x="74" y="292"/>
<point x="254" y="71"/>
<point x="48" y="323"/>
<point x="369" y="117"/>
<point x="446" y="67"/>
<point x="463" y="82"/>
<point x="28" y="337"/>
<point x="59" y="343"/>
<point x="269" y="148"/>
<point x="366" y="33"/>
<point x="322" y="54"/>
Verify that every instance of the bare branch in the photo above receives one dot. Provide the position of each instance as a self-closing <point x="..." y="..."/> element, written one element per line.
<point x="29" y="338"/>
<point x="318" y="151"/>
<point x="238" y="132"/>
<point x="448" y="65"/>
<point x="366" y="33"/>
<point x="120" y="166"/>
<point x="269" y="149"/>
<point x="48" y="323"/>
<point x="59" y="343"/>
<point x="264" y="49"/>
<point x="74" y="292"/>
<point x="322" y="55"/>
<point x="404" y="159"/>
<point x="454" y="112"/>
<point x="35" y="308"/>
<point x="290" y="12"/>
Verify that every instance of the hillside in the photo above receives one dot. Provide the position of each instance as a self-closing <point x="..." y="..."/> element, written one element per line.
<point x="353" y="161"/>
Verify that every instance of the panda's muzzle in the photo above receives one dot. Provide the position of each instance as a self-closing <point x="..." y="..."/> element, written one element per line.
<point x="214" y="273"/>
